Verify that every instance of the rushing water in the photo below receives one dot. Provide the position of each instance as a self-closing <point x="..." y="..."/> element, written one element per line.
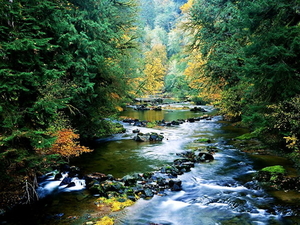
<point x="219" y="192"/>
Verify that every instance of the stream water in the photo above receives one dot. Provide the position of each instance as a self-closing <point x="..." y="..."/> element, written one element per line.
<point x="219" y="192"/>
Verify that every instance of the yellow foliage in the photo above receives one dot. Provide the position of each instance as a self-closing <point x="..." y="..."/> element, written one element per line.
<point x="187" y="6"/>
<point x="291" y="141"/>
<point x="67" y="144"/>
<point x="105" y="221"/>
<point x="119" y="108"/>
<point x="155" y="69"/>
<point x="115" y="96"/>
<point x="195" y="74"/>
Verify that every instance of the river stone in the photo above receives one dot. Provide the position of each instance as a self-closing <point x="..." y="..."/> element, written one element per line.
<point x="74" y="171"/>
<point x="148" y="192"/>
<point x="175" y="122"/>
<point x="205" y="157"/>
<point x="72" y="184"/>
<point x="97" y="189"/>
<point x="141" y="138"/>
<point x="65" y="181"/>
<point x="191" y="120"/>
<point x="96" y="176"/>
<point x="58" y="176"/>
<point x="175" y="185"/>
<point x="129" y="180"/>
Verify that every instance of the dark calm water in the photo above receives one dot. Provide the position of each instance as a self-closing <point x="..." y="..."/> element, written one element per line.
<point x="220" y="192"/>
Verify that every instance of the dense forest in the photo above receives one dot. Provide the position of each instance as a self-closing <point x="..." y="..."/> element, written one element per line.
<point x="68" y="65"/>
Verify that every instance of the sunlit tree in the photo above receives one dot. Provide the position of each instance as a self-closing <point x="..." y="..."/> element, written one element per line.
<point x="155" y="69"/>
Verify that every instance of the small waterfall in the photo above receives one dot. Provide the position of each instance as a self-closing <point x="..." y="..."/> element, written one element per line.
<point x="51" y="185"/>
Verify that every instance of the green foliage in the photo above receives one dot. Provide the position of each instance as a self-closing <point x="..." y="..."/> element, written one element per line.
<point x="198" y="101"/>
<point x="247" y="136"/>
<point x="251" y="50"/>
<point x="63" y="65"/>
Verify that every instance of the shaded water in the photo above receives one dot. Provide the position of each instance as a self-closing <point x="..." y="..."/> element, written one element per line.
<point x="219" y="192"/>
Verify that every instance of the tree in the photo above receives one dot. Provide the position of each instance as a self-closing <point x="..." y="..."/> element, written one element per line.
<point x="67" y="144"/>
<point x="251" y="50"/>
<point x="155" y="69"/>
<point x="62" y="64"/>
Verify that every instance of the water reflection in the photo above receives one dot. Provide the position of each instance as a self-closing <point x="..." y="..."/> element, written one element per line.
<point x="167" y="115"/>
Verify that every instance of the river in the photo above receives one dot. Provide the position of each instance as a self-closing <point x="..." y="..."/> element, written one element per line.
<point x="215" y="193"/>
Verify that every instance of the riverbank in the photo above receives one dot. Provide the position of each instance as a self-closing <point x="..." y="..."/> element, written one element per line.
<point x="285" y="187"/>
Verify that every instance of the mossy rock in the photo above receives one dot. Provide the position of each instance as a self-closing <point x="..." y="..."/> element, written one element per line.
<point x="203" y="140"/>
<point x="274" y="169"/>
<point x="151" y="124"/>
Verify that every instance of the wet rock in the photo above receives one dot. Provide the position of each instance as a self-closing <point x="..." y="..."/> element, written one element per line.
<point x="205" y="157"/>
<point x="139" y="124"/>
<point x="175" y="185"/>
<point x="171" y="170"/>
<point x="147" y="175"/>
<point x="110" y="177"/>
<point x="141" y="107"/>
<point x="97" y="189"/>
<point x="140" y="137"/>
<point x="189" y="155"/>
<point x="71" y="184"/>
<point x="112" y="186"/>
<point x="162" y="182"/>
<point x="175" y="122"/>
<point x="148" y="192"/>
<point x="185" y="166"/>
<point x="198" y="109"/>
<point x="158" y="108"/>
<point x="58" y="176"/>
<point x="136" y="131"/>
<point x="191" y="120"/>
<point x="112" y="194"/>
<point x="156" y="137"/>
<point x="207" y="117"/>
<point x="96" y="176"/>
<point x="130" y="194"/>
<point x="129" y="180"/>
<point x="65" y="181"/>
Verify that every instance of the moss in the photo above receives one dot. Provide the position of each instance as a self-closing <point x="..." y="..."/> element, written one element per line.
<point x="116" y="203"/>
<point x="202" y="140"/>
<point x="151" y="124"/>
<point x="106" y="220"/>
<point x="274" y="169"/>
<point x="246" y="136"/>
